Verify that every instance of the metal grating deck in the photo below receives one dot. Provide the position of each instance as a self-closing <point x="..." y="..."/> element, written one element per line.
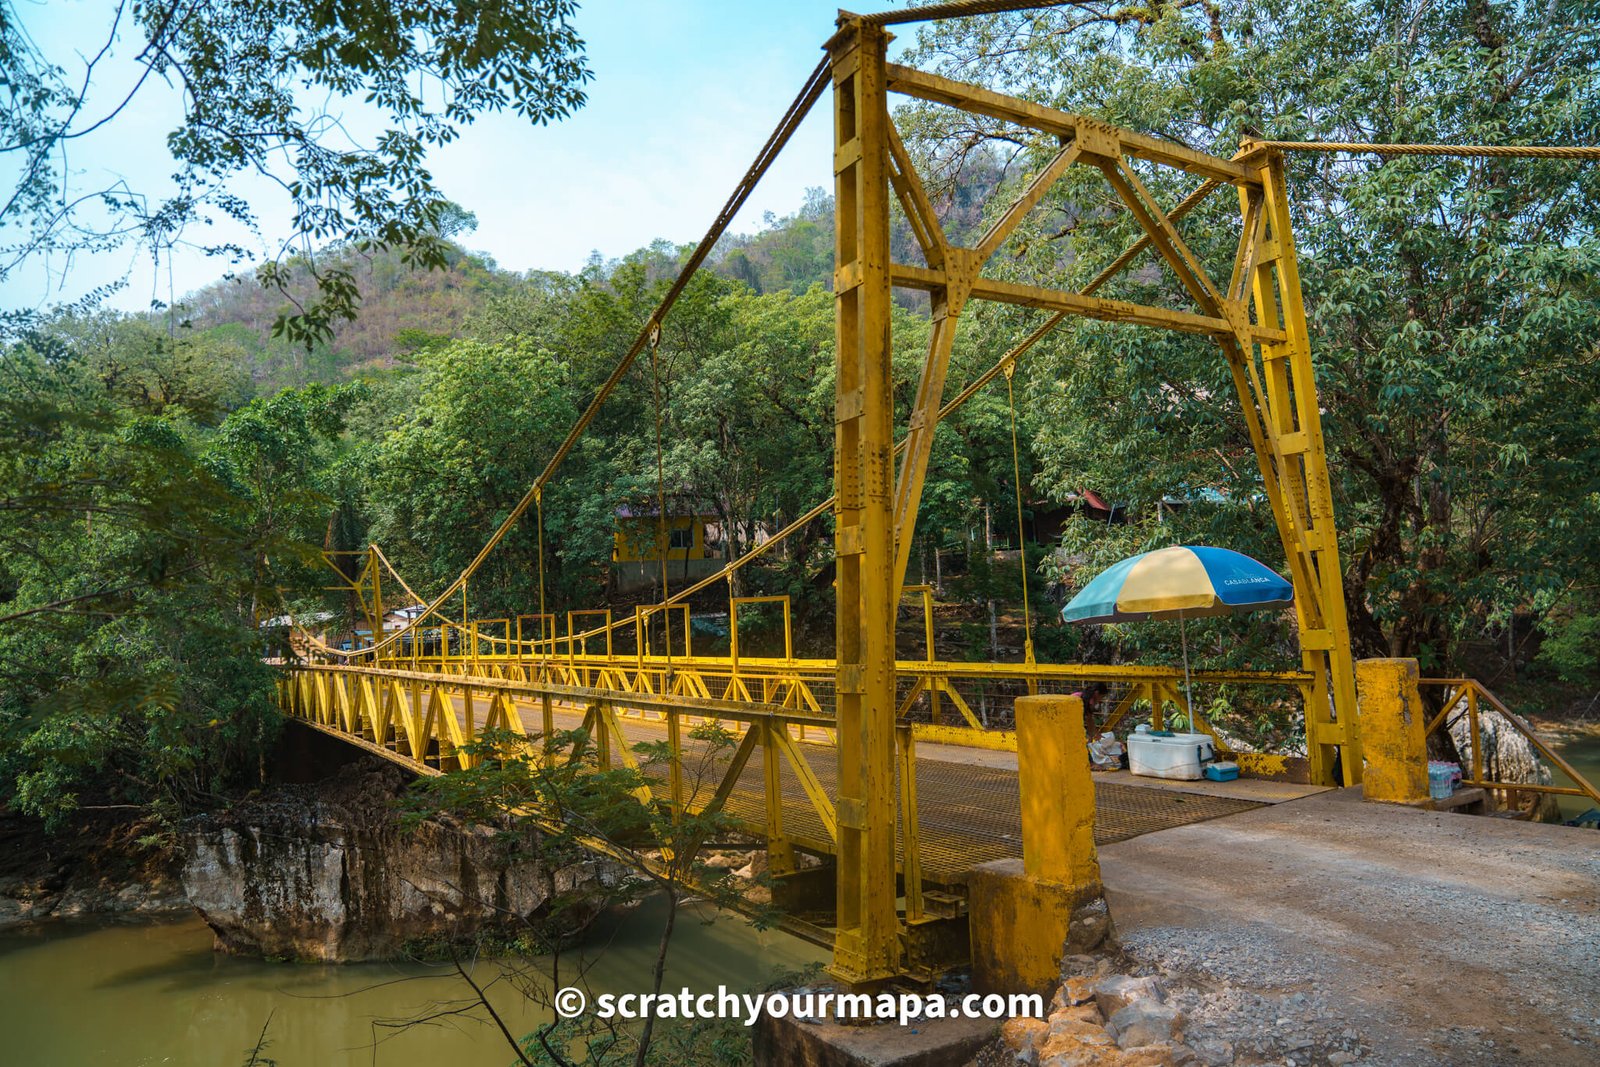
<point x="969" y="814"/>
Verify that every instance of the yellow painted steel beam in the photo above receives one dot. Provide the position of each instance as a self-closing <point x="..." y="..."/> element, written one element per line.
<point x="735" y="603"/>
<point x="910" y="824"/>
<point x="957" y="271"/>
<point x="949" y="295"/>
<point x="913" y="197"/>
<point x="780" y="850"/>
<point x="1090" y="307"/>
<point x="965" y="736"/>
<point x="980" y="101"/>
<point x="1294" y="462"/>
<point x="808" y="781"/>
<point x="867" y="942"/>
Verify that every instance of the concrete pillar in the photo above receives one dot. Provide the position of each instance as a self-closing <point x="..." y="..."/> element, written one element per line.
<point x="1057" y="791"/>
<point x="1393" y="731"/>
<point x="1025" y="915"/>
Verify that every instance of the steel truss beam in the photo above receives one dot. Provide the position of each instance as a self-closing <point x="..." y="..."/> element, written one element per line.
<point x="867" y="942"/>
<point x="1258" y="322"/>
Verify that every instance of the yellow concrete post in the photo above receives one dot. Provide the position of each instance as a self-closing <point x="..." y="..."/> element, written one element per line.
<point x="1024" y="916"/>
<point x="1057" y="791"/>
<point x="1393" y="731"/>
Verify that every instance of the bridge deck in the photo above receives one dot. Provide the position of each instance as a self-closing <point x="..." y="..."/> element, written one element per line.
<point x="968" y="810"/>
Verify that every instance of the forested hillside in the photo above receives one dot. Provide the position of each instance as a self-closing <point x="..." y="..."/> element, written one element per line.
<point x="404" y="310"/>
<point x="401" y="311"/>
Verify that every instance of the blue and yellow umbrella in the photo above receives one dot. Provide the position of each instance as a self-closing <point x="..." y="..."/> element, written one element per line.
<point x="1181" y="582"/>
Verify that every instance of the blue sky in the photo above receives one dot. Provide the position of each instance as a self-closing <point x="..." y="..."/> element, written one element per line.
<point x="684" y="94"/>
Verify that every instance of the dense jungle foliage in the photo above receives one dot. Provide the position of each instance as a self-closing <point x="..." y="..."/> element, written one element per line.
<point x="168" y="481"/>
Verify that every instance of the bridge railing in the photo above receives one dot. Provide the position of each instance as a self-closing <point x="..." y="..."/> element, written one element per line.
<point x="430" y="719"/>
<point x="656" y="650"/>
<point x="1469" y="698"/>
<point x="957" y="703"/>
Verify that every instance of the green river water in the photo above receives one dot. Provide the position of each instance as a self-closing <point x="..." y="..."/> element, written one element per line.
<point x="134" y="995"/>
<point x="1583" y="752"/>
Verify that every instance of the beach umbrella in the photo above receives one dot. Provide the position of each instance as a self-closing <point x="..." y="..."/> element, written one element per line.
<point x="1181" y="582"/>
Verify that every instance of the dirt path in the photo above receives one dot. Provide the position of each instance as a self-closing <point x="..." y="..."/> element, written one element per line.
<point x="1327" y="930"/>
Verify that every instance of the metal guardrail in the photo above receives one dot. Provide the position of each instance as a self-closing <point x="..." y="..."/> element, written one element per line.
<point x="1469" y="697"/>
<point x="430" y="719"/>
<point x="653" y="651"/>
<point x="945" y="702"/>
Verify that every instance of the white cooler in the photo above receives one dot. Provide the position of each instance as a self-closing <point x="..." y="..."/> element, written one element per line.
<point x="1179" y="756"/>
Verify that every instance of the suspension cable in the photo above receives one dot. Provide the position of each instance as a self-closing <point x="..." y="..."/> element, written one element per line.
<point x="412" y="593"/>
<point x="1508" y="151"/>
<point x="957" y="9"/>
<point x="1022" y="542"/>
<point x="801" y="106"/>
<point x="663" y="543"/>
<point x="538" y="504"/>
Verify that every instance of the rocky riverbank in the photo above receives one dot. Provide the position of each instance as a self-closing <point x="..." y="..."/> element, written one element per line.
<point x="324" y="872"/>
<point x="101" y="862"/>
<point x="320" y="871"/>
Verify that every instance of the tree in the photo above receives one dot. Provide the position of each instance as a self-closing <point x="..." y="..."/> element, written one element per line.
<point x="247" y="72"/>
<point x="552" y="799"/>
<point x="142" y="548"/>
<point x="1451" y="301"/>
<point x="486" y="419"/>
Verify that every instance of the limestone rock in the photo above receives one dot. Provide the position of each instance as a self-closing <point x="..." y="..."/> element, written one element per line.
<point x="1077" y="1031"/>
<point x="1509" y="757"/>
<point x="1084" y="1013"/>
<point x="1077" y="991"/>
<point x="1064" y="1051"/>
<point x="1022" y="1033"/>
<point x="1117" y="991"/>
<point x="755" y="868"/>
<point x="323" y="873"/>
<point x="1145" y="1022"/>
<point x="1090" y="929"/>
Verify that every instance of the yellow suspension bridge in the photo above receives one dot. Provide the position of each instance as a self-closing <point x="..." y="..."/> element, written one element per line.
<point x="880" y="766"/>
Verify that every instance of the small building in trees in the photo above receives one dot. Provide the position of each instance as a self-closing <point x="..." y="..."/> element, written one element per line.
<point x="642" y="540"/>
<point x="1047" y="518"/>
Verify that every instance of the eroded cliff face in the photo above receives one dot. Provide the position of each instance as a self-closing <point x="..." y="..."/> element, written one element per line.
<point x="323" y="872"/>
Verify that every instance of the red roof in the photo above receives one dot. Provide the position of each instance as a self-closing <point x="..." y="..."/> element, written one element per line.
<point x="1092" y="498"/>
